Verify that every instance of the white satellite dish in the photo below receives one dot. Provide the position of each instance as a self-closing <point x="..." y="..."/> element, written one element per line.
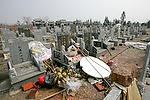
<point x="100" y="69"/>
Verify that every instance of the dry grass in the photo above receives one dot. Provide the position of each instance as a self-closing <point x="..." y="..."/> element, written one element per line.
<point x="15" y="27"/>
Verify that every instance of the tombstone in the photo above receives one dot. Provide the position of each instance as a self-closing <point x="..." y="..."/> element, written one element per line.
<point x="42" y="36"/>
<point x="73" y="28"/>
<point x="101" y="35"/>
<point x="95" y="32"/>
<point x="67" y="29"/>
<point x="59" y="56"/>
<point x="57" y="29"/>
<point x="87" y="40"/>
<point x="114" y="39"/>
<point x="143" y="30"/>
<point x="93" y="46"/>
<point x="119" y="37"/>
<point x="133" y="29"/>
<point x="27" y="32"/>
<point x="129" y="31"/>
<point x="22" y="66"/>
<point x="82" y="46"/>
<point x="38" y="35"/>
<point x="61" y="39"/>
<point x="20" y="30"/>
<point x="44" y="30"/>
<point x="79" y="31"/>
<point x="105" y="41"/>
<point x="6" y="34"/>
<point x="126" y="36"/>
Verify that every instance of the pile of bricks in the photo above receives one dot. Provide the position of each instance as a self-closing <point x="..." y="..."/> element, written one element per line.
<point x="122" y="75"/>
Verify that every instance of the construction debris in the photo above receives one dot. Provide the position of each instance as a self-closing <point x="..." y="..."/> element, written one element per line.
<point x="28" y="86"/>
<point x="100" y="87"/>
<point x="122" y="75"/>
<point x="33" y="94"/>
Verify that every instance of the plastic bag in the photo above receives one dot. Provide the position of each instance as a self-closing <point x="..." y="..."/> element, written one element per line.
<point x="72" y="85"/>
<point x="49" y="80"/>
<point x="39" y="50"/>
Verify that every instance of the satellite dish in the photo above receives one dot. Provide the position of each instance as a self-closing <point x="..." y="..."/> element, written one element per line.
<point x="100" y="69"/>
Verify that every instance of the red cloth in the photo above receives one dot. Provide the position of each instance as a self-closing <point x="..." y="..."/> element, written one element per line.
<point x="41" y="79"/>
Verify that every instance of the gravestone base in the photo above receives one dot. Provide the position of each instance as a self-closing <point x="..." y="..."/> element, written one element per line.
<point x="109" y="45"/>
<point x="122" y="39"/>
<point x="33" y="77"/>
<point x="99" y="53"/>
<point x="128" y="37"/>
<point x="116" y="42"/>
<point x="136" y="34"/>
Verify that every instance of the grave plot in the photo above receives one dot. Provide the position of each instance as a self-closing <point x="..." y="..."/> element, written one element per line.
<point x="22" y="66"/>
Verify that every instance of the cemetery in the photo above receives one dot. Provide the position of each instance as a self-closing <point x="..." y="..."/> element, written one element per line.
<point x="74" y="60"/>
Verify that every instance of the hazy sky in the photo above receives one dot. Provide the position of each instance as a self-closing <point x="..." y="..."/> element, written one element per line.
<point x="13" y="10"/>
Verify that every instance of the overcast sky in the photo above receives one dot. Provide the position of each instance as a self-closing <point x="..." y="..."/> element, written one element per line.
<point x="13" y="10"/>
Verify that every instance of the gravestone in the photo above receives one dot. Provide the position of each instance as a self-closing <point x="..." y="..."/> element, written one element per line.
<point x="22" y="67"/>
<point x="6" y="34"/>
<point x="114" y="36"/>
<point x="93" y="46"/>
<point x="126" y="36"/>
<point x="38" y="34"/>
<point x="119" y="37"/>
<point x="19" y="50"/>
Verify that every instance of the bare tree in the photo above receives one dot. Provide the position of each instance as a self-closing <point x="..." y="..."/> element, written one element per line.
<point x="18" y="22"/>
<point x="26" y="20"/>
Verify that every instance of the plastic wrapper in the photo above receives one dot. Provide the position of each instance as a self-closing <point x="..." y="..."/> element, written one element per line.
<point x="93" y="81"/>
<point x="40" y="52"/>
<point x="72" y="85"/>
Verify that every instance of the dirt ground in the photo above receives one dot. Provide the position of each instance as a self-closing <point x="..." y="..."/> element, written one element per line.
<point x="121" y="56"/>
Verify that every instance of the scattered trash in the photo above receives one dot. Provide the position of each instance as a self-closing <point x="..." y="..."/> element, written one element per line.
<point x="33" y="94"/>
<point x="72" y="84"/>
<point x="50" y="80"/>
<point x="137" y="45"/>
<point x="41" y="79"/>
<point x="100" y="87"/>
<point x="93" y="81"/>
<point x="110" y="63"/>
